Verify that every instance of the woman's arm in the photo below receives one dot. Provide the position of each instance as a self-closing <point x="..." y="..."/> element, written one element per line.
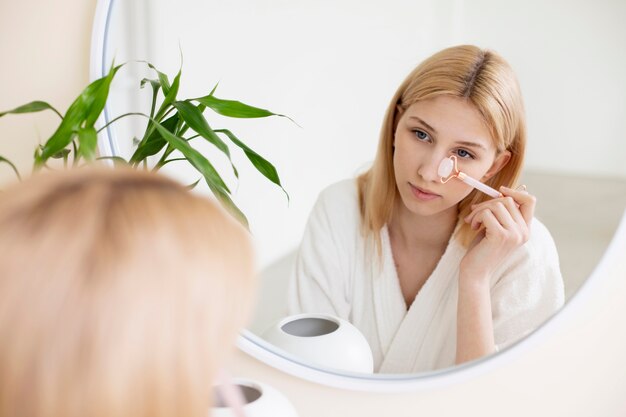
<point x="506" y="224"/>
<point x="474" y="335"/>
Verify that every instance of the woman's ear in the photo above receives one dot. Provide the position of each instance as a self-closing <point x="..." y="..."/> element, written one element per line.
<point x="500" y="162"/>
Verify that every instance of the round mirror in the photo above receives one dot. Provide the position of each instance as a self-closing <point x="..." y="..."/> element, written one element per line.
<point x="332" y="67"/>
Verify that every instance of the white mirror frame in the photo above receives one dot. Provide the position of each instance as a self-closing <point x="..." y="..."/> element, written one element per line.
<point x="268" y="354"/>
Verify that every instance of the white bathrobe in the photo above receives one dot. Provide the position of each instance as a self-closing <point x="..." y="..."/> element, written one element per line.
<point x="338" y="273"/>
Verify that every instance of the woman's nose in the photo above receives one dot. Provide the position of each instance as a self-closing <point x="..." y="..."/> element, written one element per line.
<point x="429" y="168"/>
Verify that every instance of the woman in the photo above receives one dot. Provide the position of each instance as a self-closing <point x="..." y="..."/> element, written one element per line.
<point x="120" y="295"/>
<point x="435" y="274"/>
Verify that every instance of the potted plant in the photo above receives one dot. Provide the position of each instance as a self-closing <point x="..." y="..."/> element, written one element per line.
<point x="172" y="126"/>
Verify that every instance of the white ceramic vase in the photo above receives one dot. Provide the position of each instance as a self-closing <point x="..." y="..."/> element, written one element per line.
<point x="323" y="340"/>
<point x="260" y="400"/>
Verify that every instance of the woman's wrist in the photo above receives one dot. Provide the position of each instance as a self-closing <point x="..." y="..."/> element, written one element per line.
<point x="474" y="279"/>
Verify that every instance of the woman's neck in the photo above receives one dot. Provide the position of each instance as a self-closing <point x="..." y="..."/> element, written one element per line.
<point x="415" y="231"/>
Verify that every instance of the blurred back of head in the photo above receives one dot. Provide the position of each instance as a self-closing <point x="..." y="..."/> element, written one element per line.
<point x="121" y="294"/>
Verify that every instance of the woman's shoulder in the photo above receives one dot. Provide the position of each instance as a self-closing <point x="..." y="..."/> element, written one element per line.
<point x="539" y="251"/>
<point x="342" y="195"/>
<point x="540" y="239"/>
<point x="337" y="208"/>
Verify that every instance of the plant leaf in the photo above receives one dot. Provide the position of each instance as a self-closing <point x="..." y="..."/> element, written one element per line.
<point x="167" y="161"/>
<point x="98" y="100"/>
<point x="163" y="80"/>
<point x="170" y="96"/>
<point x="88" y="141"/>
<point x="195" y="158"/>
<point x="193" y="185"/>
<point x="214" y="88"/>
<point x="155" y="84"/>
<point x="117" y="160"/>
<point x="230" y="206"/>
<point x="13" y="167"/>
<point x="192" y="115"/>
<point x="261" y="164"/>
<point x="212" y="178"/>
<point x="233" y="108"/>
<point x="84" y="110"/>
<point x="61" y="154"/>
<point x="155" y="142"/>
<point x="32" y="107"/>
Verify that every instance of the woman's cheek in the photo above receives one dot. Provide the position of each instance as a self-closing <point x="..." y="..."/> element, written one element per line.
<point x="459" y="192"/>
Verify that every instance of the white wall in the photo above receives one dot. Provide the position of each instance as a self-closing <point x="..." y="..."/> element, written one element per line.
<point x="333" y="65"/>
<point x="44" y="55"/>
<point x="571" y="61"/>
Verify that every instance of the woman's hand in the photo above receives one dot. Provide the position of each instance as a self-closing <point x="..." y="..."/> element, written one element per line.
<point x="506" y="226"/>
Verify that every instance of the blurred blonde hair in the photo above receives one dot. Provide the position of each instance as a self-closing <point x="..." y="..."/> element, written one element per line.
<point x="121" y="293"/>
<point x="484" y="79"/>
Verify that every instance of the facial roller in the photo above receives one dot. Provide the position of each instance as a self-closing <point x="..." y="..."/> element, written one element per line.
<point x="448" y="170"/>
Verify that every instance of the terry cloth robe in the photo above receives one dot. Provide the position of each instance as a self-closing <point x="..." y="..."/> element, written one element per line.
<point x="337" y="272"/>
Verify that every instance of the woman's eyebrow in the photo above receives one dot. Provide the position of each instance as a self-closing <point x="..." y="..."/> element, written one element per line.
<point x="424" y="123"/>
<point x="460" y="142"/>
<point x="471" y="144"/>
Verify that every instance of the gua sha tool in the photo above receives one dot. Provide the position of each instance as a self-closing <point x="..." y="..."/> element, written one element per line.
<point x="448" y="170"/>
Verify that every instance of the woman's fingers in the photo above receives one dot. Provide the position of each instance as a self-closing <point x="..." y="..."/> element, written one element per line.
<point x="503" y="224"/>
<point x="499" y="224"/>
<point x="519" y="204"/>
<point x="491" y="222"/>
<point x="514" y="210"/>
<point x="507" y="218"/>
<point x="499" y="213"/>
<point x="526" y="202"/>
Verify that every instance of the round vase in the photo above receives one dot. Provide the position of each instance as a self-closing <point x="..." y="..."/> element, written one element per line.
<point x="323" y="340"/>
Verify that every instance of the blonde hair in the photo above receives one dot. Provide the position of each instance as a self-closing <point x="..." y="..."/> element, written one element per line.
<point x="120" y="294"/>
<point x="485" y="80"/>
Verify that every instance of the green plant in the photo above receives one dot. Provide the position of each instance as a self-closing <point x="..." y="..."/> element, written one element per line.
<point x="172" y="126"/>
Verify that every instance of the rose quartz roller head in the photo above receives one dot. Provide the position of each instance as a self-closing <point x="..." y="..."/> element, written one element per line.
<point x="448" y="170"/>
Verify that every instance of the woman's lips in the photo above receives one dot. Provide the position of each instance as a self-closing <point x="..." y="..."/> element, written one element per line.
<point x="423" y="194"/>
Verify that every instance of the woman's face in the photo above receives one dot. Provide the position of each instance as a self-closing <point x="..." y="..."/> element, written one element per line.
<point x="429" y="131"/>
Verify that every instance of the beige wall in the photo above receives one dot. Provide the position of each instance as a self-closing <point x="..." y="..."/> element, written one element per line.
<point x="44" y="55"/>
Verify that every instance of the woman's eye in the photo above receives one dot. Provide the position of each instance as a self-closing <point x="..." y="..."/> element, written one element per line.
<point x="464" y="154"/>
<point x="421" y="135"/>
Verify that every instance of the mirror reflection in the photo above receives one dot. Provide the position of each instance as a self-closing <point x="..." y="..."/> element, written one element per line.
<point x="393" y="263"/>
<point x="435" y="274"/>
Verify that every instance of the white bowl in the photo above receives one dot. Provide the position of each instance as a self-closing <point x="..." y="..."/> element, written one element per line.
<point x="323" y="340"/>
